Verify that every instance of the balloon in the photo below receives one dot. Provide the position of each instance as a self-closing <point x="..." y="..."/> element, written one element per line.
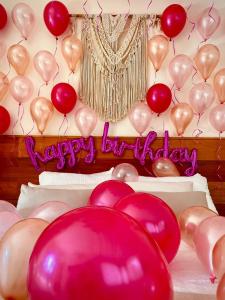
<point x="180" y="69"/>
<point x="2" y="49"/>
<point x="41" y="110"/>
<point x="217" y="117"/>
<point x="15" y="250"/>
<point x="4" y="119"/>
<point x="164" y="167"/>
<point x="220" y="294"/>
<point x="86" y="120"/>
<point x="72" y="51"/>
<point x="158" y="48"/>
<point x="7" y="206"/>
<point x="189" y="220"/>
<point x="207" y="59"/>
<point x="4" y="85"/>
<point x="64" y="97"/>
<point x="56" y="17"/>
<point x="205" y="237"/>
<point x="219" y="85"/>
<point x="140" y="117"/>
<point x="173" y="20"/>
<point x="4" y="17"/>
<point x="19" y="58"/>
<point x="50" y="211"/>
<point x="156" y="217"/>
<point x="218" y="257"/>
<point x="208" y="22"/>
<point x="101" y="254"/>
<point x="21" y="89"/>
<point x="181" y="115"/>
<point x="125" y="172"/>
<point x="23" y="18"/>
<point x="46" y="65"/>
<point x="159" y="97"/>
<point x="201" y="97"/>
<point x="7" y="220"/>
<point x="109" y="192"/>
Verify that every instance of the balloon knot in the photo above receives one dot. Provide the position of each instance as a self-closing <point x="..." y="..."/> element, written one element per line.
<point x="212" y="278"/>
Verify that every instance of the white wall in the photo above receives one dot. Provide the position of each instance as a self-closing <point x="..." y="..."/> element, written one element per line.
<point x="41" y="39"/>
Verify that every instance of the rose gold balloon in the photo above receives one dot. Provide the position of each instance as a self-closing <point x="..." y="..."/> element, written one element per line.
<point x="140" y="117"/>
<point x="207" y="59"/>
<point x="201" y="97"/>
<point x="219" y="257"/>
<point x="4" y="85"/>
<point x="2" y="49"/>
<point x="8" y="219"/>
<point x="164" y="167"/>
<point x="217" y="117"/>
<point x="125" y="172"/>
<point x="72" y="51"/>
<point x="46" y="65"/>
<point x="7" y="206"/>
<point x="208" y="22"/>
<point x="219" y="85"/>
<point x="220" y="293"/>
<point x="181" y="116"/>
<point x="158" y="48"/>
<point x="21" y="88"/>
<point x="23" y="18"/>
<point x="15" y="251"/>
<point x="189" y="220"/>
<point x="86" y="120"/>
<point x="19" y="58"/>
<point x="41" y="110"/>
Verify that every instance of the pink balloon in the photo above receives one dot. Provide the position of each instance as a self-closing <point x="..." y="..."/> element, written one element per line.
<point x="208" y="22"/>
<point x="217" y="117"/>
<point x="140" y="117"/>
<point x="50" y="211"/>
<point x="86" y="120"/>
<point x="2" y="49"/>
<point x="21" y="89"/>
<point x="180" y="69"/>
<point x="7" y="219"/>
<point x="7" y="206"/>
<point x="23" y="18"/>
<point x="97" y="253"/>
<point x="46" y="65"/>
<point x="109" y="192"/>
<point x="125" y="172"/>
<point x="205" y="237"/>
<point x="201" y="97"/>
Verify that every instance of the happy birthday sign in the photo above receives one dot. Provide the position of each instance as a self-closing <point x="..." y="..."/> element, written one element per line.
<point x="66" y="152"/>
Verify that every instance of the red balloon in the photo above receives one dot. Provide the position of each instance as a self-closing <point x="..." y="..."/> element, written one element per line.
<point x="97" y="253"/>
<point x="159" y="97"/>
<point x="173" y="20"/>
<point x="56" y="17"/>
<point x="109" y="192"/>
<point x="64" y="97"/>
<point x="3" y="17"/>
<point x="4" y="120"/>
<point x="157" y="218"/>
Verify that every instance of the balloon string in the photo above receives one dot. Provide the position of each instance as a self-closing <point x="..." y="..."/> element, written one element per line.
<point x="174" y="48"/>
<point x="56" y="75"/>
<point x="218" y="153"/>
<point x="149" y="172"/>
<point x="7" y="74"/>
<point x="197" y="132"/>
<point x="21" y="41"/>
<point x="41" y="86"/>
<point x="149" y="4"/>
<point x="56" y="46"/>
<point x="29" y="132"/>
<point x="100" y="14"/>
<point x="21" y="125"/>
<point x="175" y="95"/>
<point x="128" y="12"/>
<point x="195" y="73"/>
<point x="155" y="78"/>
<point x="67" y="125"/>
<point x="172" y="91"/>
<point x="17" y="119"/>
<point x="84" y="4"/>
<point x="70" y="74"/>
<point x="191" y="22"/>
<point x="210" y="10"/>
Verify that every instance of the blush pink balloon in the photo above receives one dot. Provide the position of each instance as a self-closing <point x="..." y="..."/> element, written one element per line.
<point x="140" y="117"/>
<point x="46" y="65"/>
<point x="208" y="22"/>
<point x="21" y="89"/>
<point x="50" y="211"/>
<point x="6" y="206"/>
<point x="180" y="69"/>
<point x="125" y="172"/>
<point x="201" y="97"/>
<point x="7" y="220"/>
<point x="86" y="120"/>
<point x="217" y="118"/>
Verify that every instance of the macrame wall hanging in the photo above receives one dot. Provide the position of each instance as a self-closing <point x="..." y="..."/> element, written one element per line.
<point x="114" y="70"/>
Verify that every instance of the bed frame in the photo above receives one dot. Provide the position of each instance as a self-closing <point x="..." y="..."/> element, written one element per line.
<point x="16" y="167"/>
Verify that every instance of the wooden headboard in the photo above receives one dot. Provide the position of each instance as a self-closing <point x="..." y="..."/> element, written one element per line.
<point x="16" y="167"/>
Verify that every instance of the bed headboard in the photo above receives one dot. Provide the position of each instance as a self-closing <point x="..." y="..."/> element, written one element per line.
<point x="16" y="167"/>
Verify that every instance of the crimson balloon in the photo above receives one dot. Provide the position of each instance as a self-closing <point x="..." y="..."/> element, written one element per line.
<point x="64" y="97"/>
<point x="109" y="192"/>
<point x="4" y="119"/>
<point x="159" y="97"/>
<point x="173" y="20"/>
<point x="157" y="218"/>
<point x="97" y="253"/>
<point x="4" y="17"/>
<point x="56" y="17"/>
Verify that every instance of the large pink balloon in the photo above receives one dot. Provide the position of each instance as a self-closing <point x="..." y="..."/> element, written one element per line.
<point x="217" y="118"/>
<point x="201" y="97"/>
<point x="46" y="65"/>
<point x="140" y="117"/>
<point x="109" y="192"/>
<point x="7" y="206"/>
<point x="21" y="89"/>
<point x="97" y="253"/>
<point x="8" y="219"/>
<point x="208" y="22"/>
<point x="125" y="172"/>
<point x="86" y="120"/>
